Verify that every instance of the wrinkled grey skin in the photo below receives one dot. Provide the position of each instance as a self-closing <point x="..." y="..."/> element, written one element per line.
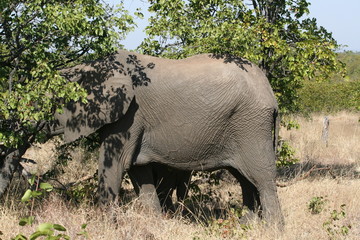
<point x="166" y="179"/>
<point x="201" y="113"/>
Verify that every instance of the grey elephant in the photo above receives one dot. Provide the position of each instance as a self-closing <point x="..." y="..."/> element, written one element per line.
<point x="205" y="112"/>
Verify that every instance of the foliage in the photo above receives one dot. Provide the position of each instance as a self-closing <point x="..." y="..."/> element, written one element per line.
<point x="89" y="146"/>
<point x="41" y="187"/>
<point x="83" y="192"/>
<point x="338" y="93"/>
<point x="330" y="97"/>
<point x="48" y="231"/>
<point x="333" y="228"/>
<point x="230" y="227"/>
<point x="45" y="229"/>
<point x="40" y="37"/>
<point x="285" y="155"/>
<point x="211" y="178"/>
<point x="36" y="190"/>
<point x="287" y="45"/>
<point x="352" y="61"/>
<point x="316" y="205"/>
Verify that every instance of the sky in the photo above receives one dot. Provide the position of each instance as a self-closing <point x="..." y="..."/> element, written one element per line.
<point x="342" y="18"/>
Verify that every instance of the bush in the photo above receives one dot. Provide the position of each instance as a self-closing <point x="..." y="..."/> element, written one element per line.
<point x="285" y="155"/>
<point x="330" y="97"/>
<point x="339" y="93"/>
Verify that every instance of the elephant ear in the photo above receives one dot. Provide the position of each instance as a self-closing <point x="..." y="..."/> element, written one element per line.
<point x="110" y="92"/>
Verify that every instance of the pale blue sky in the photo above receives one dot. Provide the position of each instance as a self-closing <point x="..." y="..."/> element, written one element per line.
<point x="342" y="18"/>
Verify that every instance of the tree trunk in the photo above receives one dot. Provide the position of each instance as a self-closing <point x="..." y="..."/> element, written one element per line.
<point x="325" y="131"/>
<point x="9" y="163"/>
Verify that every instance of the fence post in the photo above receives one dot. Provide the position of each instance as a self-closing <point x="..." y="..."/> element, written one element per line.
<point x="325" y="131"/>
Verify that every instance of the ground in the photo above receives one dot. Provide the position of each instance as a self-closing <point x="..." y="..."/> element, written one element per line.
<point x="328" y="176"/>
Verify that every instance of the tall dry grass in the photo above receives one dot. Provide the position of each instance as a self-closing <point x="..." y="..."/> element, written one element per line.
<point x="128" y="221"/>
<point x="343" y="139"/>
<point x="131" y="223"/>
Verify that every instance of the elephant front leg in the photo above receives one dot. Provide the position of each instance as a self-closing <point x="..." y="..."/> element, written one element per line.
<point x="110" y="171"/>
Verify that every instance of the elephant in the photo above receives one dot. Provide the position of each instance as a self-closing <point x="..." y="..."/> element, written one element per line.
<point x="205" y="112"/>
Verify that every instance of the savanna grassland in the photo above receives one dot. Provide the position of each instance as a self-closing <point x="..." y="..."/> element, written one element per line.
<point x="319" y="195"/>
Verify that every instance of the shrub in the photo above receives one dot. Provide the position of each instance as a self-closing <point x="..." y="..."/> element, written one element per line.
<point x="334" y="227"/>
<point x="317" y="205"/>
<point x="330" y="97"/>
<point x="285" y="154"/>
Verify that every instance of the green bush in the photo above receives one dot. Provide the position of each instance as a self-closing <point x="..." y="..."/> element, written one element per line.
<point x="330" y="97"/>
<point x="317" y="204"/>
<point x="334" y="226"/>
<point x="46" y="231"/>
<point x="352" y="61"/>
<point x="338" y="94"/>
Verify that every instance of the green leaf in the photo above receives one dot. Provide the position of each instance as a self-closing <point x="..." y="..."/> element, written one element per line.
<point x="32" y="180"/>
<point x="20" y="237"/>
<point x="36" y="194"/>
<point x="59" y="227"/>
<point x="55" y="34"/>
<point x="45" y="226"/>
<point x="27" y="195"/>
<point x="46" y="186"/>
<point x="62" y="236"/>
<point x="38" y="234"/>
<point x="289" y="47"/>
<point x="27" y="221"/>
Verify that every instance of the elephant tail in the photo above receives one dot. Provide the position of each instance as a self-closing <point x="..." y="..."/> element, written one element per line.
<point x="277" y="120"/>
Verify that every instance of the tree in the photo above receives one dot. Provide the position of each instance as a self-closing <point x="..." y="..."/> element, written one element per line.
<point x="38" y="38"/>
<point x="275" y="34"/>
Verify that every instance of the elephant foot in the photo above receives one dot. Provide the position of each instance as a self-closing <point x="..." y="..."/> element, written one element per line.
<point x="112" y="212"/>
<point x="275" y="221"/>
<point x="148" y="236"/>
<point x="149" y="203"/>
<point x="250" y="217"/>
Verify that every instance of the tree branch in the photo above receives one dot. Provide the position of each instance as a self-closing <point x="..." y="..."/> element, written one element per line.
<point x="307" y="174"/>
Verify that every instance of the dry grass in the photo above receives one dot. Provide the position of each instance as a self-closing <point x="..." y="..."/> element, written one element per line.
<point x="133" y="224"/>
<point x="128" y="222"/>
<point x="343" y="141"/>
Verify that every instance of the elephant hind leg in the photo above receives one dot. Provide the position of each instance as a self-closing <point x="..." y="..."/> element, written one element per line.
<point x="250" y="194"/>
<point x="165" y="197"/>
<point x="179" y="180"/>
<point x="260" y="198"/>
<point x="165" y="183"/>
<point x="182" y="186"/>
<point x="256" y="172"/>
